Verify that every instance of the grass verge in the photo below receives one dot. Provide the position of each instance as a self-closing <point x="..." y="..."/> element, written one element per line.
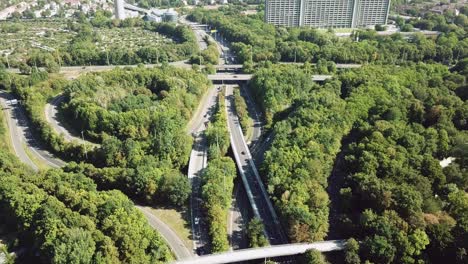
<point x="5" y="142"/>
<point x="175" y="220"/>
<point x="38" y="162"/>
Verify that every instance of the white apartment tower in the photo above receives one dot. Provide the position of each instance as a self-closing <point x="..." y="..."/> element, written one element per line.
<point x="327" y="13"/>
<point x="119" y="9"/>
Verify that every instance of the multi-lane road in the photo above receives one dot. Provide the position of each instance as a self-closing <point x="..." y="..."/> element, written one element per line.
<point x="259" y="199"/>
<point x="197" y="163"/>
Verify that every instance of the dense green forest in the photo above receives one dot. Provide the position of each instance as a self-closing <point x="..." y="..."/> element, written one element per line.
<point x="401" y="121"/>
<point x="397" y="198"/>
<point x="138" y="116"/>
<point x="61" y="217"/>
<point x="218" y="185"/>
<point x="376" y="135"/>
<point x="252" y="39"/>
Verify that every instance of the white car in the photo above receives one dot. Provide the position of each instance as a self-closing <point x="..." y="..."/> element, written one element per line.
<point x="197" y="220"/>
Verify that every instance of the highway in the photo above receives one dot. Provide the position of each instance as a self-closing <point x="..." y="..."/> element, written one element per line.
<point x="258" y="197"/>
<point x="238" y="213"/>
<point x="267" y="252"/>
<point x="199" y="33"/>
<point x="197" y="163"/>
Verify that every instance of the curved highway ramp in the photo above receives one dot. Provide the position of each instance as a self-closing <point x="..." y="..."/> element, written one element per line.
<point x="266" y="252"/>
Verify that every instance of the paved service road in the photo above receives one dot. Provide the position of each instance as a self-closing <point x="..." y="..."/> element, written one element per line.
<point x="16" y="131"/>
<point x="177" y="246"/>
<point x="256" y="192"/>
<point x="51" y="115"/>
<point x="267" y="252"/>
<point x="22" y="135"/>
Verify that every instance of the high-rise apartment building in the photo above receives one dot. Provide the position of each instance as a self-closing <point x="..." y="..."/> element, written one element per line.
<point x="119" y="9"/>
<point x="327" y="13"/>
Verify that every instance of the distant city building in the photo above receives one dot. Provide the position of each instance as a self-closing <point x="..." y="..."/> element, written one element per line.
<point x="152" y="18"/>
<point x="170" y="16"/>
<point x="119" y="9"/>
<point x="159" y="15"/>
<point x="327" y="13"/>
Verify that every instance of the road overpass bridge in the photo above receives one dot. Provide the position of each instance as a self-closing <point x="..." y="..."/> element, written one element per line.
<point x="226" y="77"/>
<point x="266" y="252"/>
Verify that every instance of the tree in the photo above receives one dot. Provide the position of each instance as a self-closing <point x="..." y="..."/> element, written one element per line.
<point x="380" y="28"/>
<point x="255" y="233"/>
<point x="407" y="28"/>
<point x="74" y="246"/>
<point x="379" y="250"/>
<point x="313" y="257"/>
<point x="176" y="188"/>
<point x="15" y="15"/>
<point x="352" y="252"/>
<point x="24" y="68"/>
<point x="46" y="13"/>
<point x="29" y="14"/>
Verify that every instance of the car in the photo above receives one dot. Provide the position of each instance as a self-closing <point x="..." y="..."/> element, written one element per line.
<point x="243" y="152"/>
<point x="197" y="220"/>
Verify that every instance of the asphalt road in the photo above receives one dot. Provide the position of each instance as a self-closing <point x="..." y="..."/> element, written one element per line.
<point x="175" y="243"/>
<point x="71" y="72"/>
<point x="199" y="33"/>
<point x="16" y="131"/>
<point x="197" y="163"/>
<point x="237" y="218"/>
<point x="22" y="135"/>
<point x="254" y="113"/>
<point x="238" y="213"/>
<point x="51" y="115"/>
<point x="261" y="204"/>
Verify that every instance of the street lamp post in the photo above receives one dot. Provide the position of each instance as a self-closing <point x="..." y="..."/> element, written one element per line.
<point x="295" y="53"/>
<point x="8" y="61"/>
